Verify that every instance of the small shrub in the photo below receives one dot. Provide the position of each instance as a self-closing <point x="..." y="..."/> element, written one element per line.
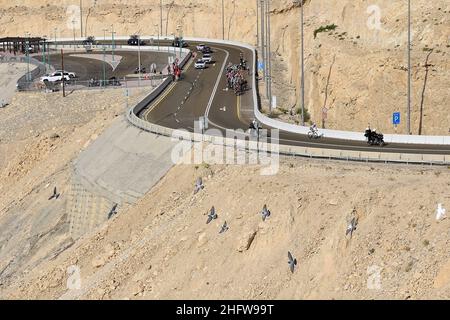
<point x="324" y="29"/>
<point x="206" y="165"/>
<point x="298" y="111"/>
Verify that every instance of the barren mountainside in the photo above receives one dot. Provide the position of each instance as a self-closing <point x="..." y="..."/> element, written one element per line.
<point x="357" y="71"/>
<point x="162" y="247"/>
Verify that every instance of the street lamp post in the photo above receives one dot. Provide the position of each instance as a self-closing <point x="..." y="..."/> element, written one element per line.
<point x="104" y="65"/>
<point x="409" y="71"/>
<point x="269" y="60"/>
<point x="302" y="61"/>
<point x="180" y="30"/>
<point x="303" y="64"/>
<point x="157" y="28"/>
<point x="81" y="18"/>
<point x="48" y="55"/>
<point x="263" y="39"/>
<point x="161" y="16"/>
<point x="112" y="37"/>
<point x="73" y="28"/>
<point x="43" y="56"/>
<point x="139" y="59"/>
<point x="223" y="21"/>
<point x="27" y="54"/>
<point x="56" y="46"/>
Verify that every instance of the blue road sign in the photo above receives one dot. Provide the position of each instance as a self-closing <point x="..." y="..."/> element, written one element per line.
<point x="396" y="118"/>
<point x="260" y="65"/>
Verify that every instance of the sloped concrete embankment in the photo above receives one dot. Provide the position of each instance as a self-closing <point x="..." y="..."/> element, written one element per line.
<point x="120" y="167"/>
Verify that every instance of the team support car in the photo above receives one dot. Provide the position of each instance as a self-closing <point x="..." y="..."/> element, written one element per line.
<point x="179" y="42"/>
<point x="200" y="47"/>
<point x="90" y="41"/>
<point x="70" y="74"/>
<point x="200" y="64"/>
<point x="207" y="58"/>
<point x="206" y="50"/>
<point x="56" y="76"/>
<point x="135" y="41"/>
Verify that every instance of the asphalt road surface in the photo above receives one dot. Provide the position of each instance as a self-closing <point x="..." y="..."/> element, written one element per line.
<point x="185" y="101"/>
<point x="86" y="68"/>
<point x="203" y="92"/>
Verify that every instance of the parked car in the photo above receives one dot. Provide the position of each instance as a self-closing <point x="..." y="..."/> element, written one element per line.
<point x="140" y="70"/>
<point x="200" y="64"/>
<point x="28" y="49"/>
<point x="90" y="41"/>
<point x="179" y="42"/>
<point x="66" y="73"/>
<point x="207" y="58"/>
<point x="206" y="50"/>
<point x="113" y="81"/>
<point x="54" y="77"/>
<point x="135" y="41"/>
<point x="200" y="47"/>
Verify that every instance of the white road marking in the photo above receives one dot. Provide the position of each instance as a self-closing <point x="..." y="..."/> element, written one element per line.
<point x="208" y="108"/>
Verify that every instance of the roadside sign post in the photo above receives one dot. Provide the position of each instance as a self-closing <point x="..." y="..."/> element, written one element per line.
<point x="274" y="102"/>
<point x="203" y="123"/>
<point x="63" y="78"/>
<point x="396" y="119"/>
<point x="260" y="66"/>
<point x="324" y="116"/>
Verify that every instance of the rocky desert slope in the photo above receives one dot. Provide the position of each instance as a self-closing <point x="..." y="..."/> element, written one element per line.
<point x="162" y="246"/>
<point x="163" y="249"/>
<point x="40" y="135"/>
<point x="357" y="71"/>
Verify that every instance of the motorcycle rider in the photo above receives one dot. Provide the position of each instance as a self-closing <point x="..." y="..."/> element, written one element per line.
<point x="313" y="128"/>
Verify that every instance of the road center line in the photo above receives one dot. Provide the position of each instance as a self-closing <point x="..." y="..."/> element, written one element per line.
<point x="211" y="99"/>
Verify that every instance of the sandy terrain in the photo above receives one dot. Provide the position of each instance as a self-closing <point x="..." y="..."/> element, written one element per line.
<point x="9" y="74"/>
<point x="162" y="248"/>
<point x="40" y="135"/>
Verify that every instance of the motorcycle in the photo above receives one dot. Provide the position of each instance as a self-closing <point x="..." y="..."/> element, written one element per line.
<point x="114" y="82"/>
<point x="374" y="138"/>
<point x="94" y="83"/>
<point x="313" y="134"/>
<point x="254" y="128"/>
<point x="140" y="70"/>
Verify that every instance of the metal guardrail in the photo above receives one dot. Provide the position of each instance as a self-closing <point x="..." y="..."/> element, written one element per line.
<point x="23" y="83"/>
<point x="334" y="134"/>
<point x="74" y="84"/>
<point x="319" y="153"/>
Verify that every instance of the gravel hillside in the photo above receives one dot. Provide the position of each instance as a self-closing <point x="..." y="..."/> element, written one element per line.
<point x="163" y="248"/>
